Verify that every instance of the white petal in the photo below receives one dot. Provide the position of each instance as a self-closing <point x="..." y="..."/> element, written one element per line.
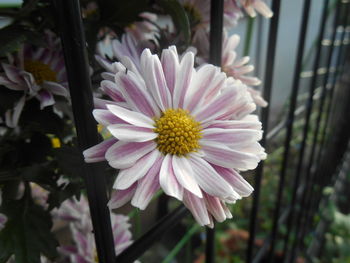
<point x="132" y="117"/>
<point x="167" y="179"/>
<point x="130" y="133"/>
<point x="209" y="180"/>
<point x="125" y="154"/>
<point x="127" y="177"/>
<point x="184" y="174"/>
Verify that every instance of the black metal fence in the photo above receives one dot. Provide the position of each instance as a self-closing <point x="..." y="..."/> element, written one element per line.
<point x="323" y="139"/>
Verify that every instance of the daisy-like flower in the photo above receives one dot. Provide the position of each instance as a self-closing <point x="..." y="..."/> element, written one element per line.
<point x="3" y="218"/>
<point x="238" y="68"/>
<point x="187" y="131"/>
<point x="251" y="6"/>
<point x="144" y="30"/>
<point x="83" y="250"/>
<point x="37" y="72"/>
<point x="127" y="51"/>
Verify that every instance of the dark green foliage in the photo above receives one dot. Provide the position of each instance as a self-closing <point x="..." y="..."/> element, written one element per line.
<point x="27" y="233"/>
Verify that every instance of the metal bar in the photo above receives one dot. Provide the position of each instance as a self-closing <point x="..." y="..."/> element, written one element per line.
<point x="74" y="48"/>
<point x="309" y="106"/>
<point x="215" y="44"/>
<point x="270" y="63"/>
<point x="329" y="106"/>
<point x="136" y="250"/>
<point x="295" y="88"/>
<point x="323" y="92"/>
<point x="310" y="197"/>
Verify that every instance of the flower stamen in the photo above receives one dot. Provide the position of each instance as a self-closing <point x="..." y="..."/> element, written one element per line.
<point x="178" y="132"/>
<point x="40" y="71"/>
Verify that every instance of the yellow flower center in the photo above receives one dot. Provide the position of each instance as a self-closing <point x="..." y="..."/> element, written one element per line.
<point x="178" y="132"/>
<point x="40" y="71"/>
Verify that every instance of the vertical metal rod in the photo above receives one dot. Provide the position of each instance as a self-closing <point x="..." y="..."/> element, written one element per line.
<point x="290" y="119"/>
<point x="74" y="48"/>
<point x="328" y="110"/>
<point x="310" y="197"/>
<point x="309" y="106"/>
<point x="270" y="64"/>
<point x="311" y="161"/>
<point x="215" y="38"/>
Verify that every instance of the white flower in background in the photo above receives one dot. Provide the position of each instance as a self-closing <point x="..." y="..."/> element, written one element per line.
<point x="253" y="6"/>
<point x="38" y="73"/>
<point x="3" y="218"/>
<point x="187" y="131"/>
<point x="83" y="249"/>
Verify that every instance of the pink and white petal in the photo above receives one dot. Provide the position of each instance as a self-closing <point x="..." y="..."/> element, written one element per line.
<point x="127" y="177"/>
<point x="132" y="117"/>
<point x="13" y="73"/>
<point x="3" y="220"/>
<point x="197" y="207"/>
<point x="226" y="210"/>
<point x="123" y="155"/>
<point x="156" y="84"/>
<point x="183" y="79"/>
<point x="105" y="117"/>
<point x="135" y="93"/>
<point x="97" y="153"/>
<point x="222" y="155"/>
<point x="11" y="85"/>
<point x="167" y="179"/>
<point x="214" y="207"/>
<point x="12" y="116"/>
<point x="121" y="197"/>
<point x="216" y="108"/>
<point x="263" y="9"/>
<point x="55" y="88"/>
<point x="102" y="104"/>
<point x="209" y="180"/>
<point x="170" y="64"/>
<point x="45" y="98"/>
<point x="130" y="133"/>
<point x="147" y="186"/>
<point x="231" y="136"/>
<point x="201" y="81"/>
<point x="239" y="184"/>
<point x="251" y="122"/>
<point x="162" y="91"/>
<point x="112" y="90"/>
<point x="107" y="65"/>
<point x="184" y="175"/>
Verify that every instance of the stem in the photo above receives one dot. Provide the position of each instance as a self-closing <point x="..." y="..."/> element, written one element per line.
<point x="249" y="34"/>
<point x="181" y="243"/>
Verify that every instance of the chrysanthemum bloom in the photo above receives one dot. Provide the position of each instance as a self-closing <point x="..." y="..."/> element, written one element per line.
<point x="251" y="6"/>
<point x="238" y="68"/>
<point x="144" y="30"/>
<point x="127" y="51"/>
<point x="187" y="131"/>
<point x="84" y="249"/>
<point x="3" y="218"/>
<point x="37" y="72"/>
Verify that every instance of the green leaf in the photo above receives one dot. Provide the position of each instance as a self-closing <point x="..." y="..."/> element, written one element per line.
<point x="12" y="36"/>
<point x="26" y="233"/>
<point x="179" y="17"/>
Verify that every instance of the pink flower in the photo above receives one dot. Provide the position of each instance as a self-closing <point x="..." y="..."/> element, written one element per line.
<point x="37" y="72"/>
<point x="144" y="30"/>
<point x="238" y="68"/>
<point x="260" y="6"/>
<point x="187" y="131"/>
<point x="83" y="250"/>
